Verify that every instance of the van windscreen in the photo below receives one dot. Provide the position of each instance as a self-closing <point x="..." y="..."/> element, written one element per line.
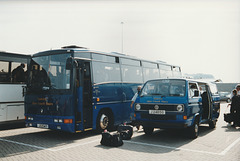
<point x="164" y="88"/>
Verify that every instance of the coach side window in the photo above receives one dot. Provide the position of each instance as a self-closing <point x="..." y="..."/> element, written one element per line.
<point x="4" y="73"/>
<point x="106" y="72"/>
<point x="12" y="72"/>
<point x="18" y="72"/>
<point x="165" y="71"/>
<point x="131" y="71"/>
<point x="150" y="71"/>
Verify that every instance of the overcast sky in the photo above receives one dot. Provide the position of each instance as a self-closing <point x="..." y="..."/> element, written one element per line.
<point x="201" y="36"/>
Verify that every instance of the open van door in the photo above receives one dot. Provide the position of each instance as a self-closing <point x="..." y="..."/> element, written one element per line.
<point x="215" y="108"/>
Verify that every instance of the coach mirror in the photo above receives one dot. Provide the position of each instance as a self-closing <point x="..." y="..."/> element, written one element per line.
<point x="69" y="63"/>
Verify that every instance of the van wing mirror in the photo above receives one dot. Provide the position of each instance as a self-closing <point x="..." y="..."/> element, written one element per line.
<point x="196" y="93"/>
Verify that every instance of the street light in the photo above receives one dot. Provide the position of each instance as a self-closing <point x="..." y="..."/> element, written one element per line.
<point x="122" y="36"/>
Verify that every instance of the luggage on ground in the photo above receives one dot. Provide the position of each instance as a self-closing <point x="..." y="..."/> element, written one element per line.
<point x="228" y="117"/>
<point x="113" y="140"/>
<point x="106" y="139"/>
<point x="125" y="135"/>
<point x="126" y="131"/>
<point x="116" y="140"/>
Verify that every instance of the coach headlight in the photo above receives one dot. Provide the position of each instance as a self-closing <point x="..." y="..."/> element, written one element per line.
<point x="137" y="107"/>
<point x="179" y="108"/>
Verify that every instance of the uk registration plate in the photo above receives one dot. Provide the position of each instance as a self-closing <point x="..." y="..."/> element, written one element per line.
<point x="157" y="112"/>
<point x="45" y="126"/>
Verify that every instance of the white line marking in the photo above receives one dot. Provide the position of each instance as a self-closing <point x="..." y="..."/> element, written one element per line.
<point x="49" y="149"/>
<point x="19" y="143"/>
<point x="72" y="146"/>
<point x="133" y="142"/>
<point x="175" y="148"/>
<point x="229" y="147"/>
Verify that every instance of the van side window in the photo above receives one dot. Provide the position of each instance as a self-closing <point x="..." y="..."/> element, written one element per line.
<point x="192" y="88"/>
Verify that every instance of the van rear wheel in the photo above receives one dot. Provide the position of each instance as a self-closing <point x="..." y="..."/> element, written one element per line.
<point x="212" y="124"/>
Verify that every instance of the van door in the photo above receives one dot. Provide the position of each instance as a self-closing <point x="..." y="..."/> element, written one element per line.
<point x="215" y="99"/>
<point x="194" y="99"/>
<point x="207" y="103"/>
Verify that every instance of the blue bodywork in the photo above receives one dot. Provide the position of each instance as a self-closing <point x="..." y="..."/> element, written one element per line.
<point x="45" y="108"/>
<point x="193" y="108"/>
<point x="117" y="98"/>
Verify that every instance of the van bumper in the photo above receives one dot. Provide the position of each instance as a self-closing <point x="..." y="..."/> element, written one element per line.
<point x="166" y="125"/>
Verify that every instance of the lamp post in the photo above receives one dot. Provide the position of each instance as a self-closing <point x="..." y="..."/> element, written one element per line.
<point x="122" y="36"/>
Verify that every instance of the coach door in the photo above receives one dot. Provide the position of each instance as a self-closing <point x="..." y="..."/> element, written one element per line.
<point x="84" y="92"/>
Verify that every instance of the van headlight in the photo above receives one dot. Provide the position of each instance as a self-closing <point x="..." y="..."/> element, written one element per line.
<point x="179" y="108"/>
<point x="137" y="107"/>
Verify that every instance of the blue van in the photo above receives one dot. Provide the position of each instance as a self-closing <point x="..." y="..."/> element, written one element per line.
<point x="177" y="103"/>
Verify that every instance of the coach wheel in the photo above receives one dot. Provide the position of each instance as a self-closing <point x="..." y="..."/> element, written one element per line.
<point x="104" y="121"/>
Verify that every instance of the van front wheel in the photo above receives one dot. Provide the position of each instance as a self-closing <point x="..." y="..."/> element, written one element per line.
<point x="193" y="130"/>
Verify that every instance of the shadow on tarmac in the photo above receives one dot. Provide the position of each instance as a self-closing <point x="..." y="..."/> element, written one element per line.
<point x="229" y="128"/>
<point x="35" y="141"/>
<point x="171" y="138"/>
<point x="12" y="125"/>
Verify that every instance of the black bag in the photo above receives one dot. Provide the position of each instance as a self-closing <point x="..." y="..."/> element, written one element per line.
<point x="106" y="139"/>
<point x="125" y="135"/>
<point x="113" y="140"/>
<point x="228" y="117"/>
<point x="126" y="131"/>
<point x="116" y="140"/>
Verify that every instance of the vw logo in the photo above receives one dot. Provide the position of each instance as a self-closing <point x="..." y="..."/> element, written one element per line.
<point x="156" y="107"/>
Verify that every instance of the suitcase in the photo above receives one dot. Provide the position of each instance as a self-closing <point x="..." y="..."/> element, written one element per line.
<point x="112" y="140"/>
<point x="126" y="131"/>
<point x="228" y="117"/>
